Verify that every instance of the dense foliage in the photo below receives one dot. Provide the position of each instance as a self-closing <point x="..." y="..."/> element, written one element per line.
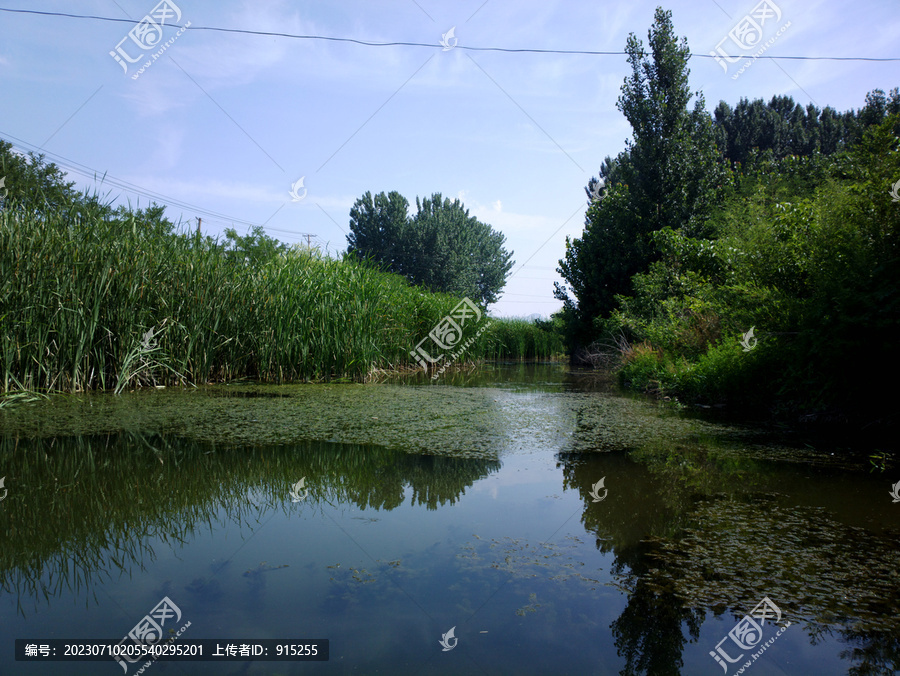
<point x="806" y="252"/>
<point x="440" y="247"/>
<point x="666" y="177"/>
<point x="766" y="216"/>
<point x="786" y="128"/>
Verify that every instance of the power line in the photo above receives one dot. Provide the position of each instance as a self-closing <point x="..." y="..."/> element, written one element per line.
<point x="92" y="174"/>
<point x="367" y="43"/>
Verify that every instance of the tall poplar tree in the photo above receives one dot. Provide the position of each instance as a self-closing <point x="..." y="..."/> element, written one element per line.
<point x="666" y="177"/>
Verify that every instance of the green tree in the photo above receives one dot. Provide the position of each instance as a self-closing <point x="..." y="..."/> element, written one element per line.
<point x="253" y="249"/>
<point x="451" y="251"/>
<point x="878" y="107"/>
<point x="784" y="127"/>
<point x="668" y="176"/>
<point x="32" y="183"/>
<point x="813" y="265"/>
<point x="378" y="226"/>
<point x="674" y="164"/>
<point x="440" y="247"/>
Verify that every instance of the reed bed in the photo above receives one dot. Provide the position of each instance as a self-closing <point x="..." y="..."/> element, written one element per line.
<point x="522" y="339"/>
<point x="92" y="302"/>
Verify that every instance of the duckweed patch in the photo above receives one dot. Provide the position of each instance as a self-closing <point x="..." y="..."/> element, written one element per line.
<point x="480" y="422"/>
<point x="816" y="569"/>
<point x="523" y="559"/>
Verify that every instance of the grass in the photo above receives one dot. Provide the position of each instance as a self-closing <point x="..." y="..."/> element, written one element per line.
<point x="92" y="302"/>
<point x="724" y="373"/>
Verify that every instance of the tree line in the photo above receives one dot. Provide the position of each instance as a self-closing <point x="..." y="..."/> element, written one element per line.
<point x="770" y="216"/>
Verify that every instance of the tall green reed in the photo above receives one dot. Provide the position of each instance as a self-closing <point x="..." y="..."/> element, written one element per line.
<point x="79" y="294"/>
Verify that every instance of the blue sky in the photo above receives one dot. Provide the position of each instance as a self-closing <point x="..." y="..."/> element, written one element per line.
<point x="227" y="123"/>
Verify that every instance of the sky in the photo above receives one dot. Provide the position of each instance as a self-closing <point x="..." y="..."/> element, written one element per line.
<point x="224" y="126"/>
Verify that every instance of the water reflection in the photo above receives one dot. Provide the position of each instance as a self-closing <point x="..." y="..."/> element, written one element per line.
<point x="470" y="506"/>
<point x="514" y="376"/>
<point x="84" y="507"/>
<point x="696" y="531"/>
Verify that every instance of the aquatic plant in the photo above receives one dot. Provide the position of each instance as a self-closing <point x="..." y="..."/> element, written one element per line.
<point x="94" y="300"/>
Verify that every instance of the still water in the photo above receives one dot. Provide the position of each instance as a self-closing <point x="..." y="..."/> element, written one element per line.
<point x="554" y="524"/>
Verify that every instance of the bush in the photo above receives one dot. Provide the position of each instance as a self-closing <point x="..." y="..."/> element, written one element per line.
<point x="817" y="274"/>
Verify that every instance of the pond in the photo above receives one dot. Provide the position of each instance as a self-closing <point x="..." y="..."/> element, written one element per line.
<point x="515" y="520"/>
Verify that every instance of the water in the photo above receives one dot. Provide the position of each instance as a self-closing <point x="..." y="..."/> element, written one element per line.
<point x="473" y="504"/>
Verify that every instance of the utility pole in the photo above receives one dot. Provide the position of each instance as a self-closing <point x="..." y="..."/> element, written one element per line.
<point x="199" y="221"/>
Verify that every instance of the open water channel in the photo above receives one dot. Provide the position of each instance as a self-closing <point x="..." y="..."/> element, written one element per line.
<point x="555" y="525"/>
